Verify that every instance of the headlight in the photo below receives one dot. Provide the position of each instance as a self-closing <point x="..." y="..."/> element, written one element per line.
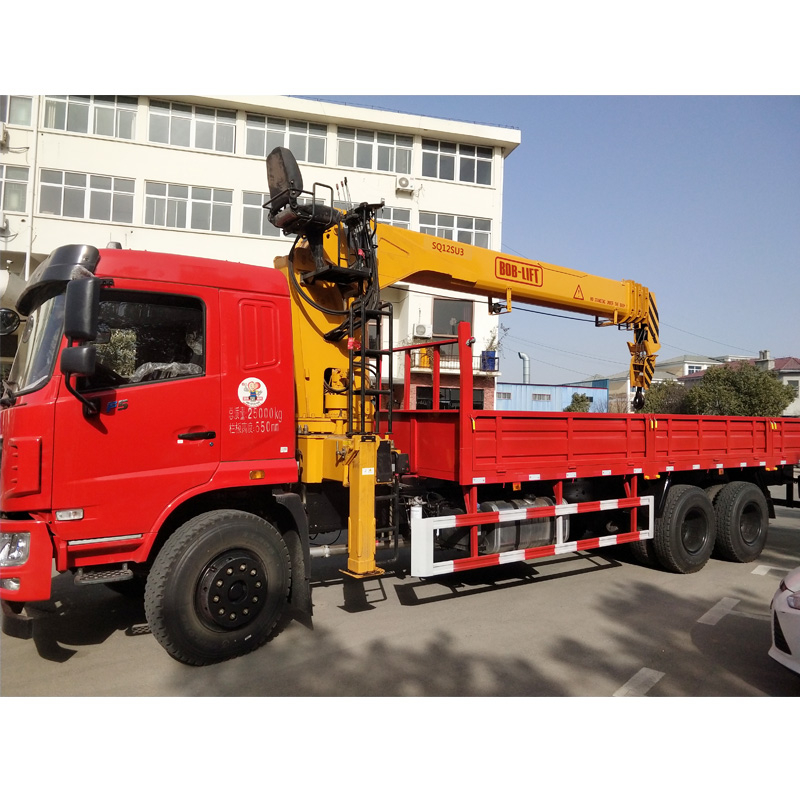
<point x="14" y="549"/>
<point x="793" y="601"/>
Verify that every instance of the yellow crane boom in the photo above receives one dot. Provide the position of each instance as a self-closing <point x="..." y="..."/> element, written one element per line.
<point x="443" y="264"/>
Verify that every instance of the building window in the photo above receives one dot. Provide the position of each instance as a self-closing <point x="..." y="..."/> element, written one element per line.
<point x="398" y="217"/>
<point x="462" y="162"/>
<point x="190" y="207"/>
<point x="81" y="196"/>
<point x="448" y="313"/>
<point x="463" y="229"/>
<point x="13" y="188"/>
<point x="449" y="399"/>
<point x="255" y="218"/>
<point x="15" y="110"/>
<point x="101" y="115"/>
<point x="446" y="316"/>
<point x="540" y="398"/>
<point x="306" y="140"/>
<point x="386" y="152"/>
<point x="503" y="395"/>
<point x="183" y="125"/>
<point x="692" y="368"/>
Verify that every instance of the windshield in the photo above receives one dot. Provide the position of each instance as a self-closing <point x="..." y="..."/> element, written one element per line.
<point x="38" y="346"/>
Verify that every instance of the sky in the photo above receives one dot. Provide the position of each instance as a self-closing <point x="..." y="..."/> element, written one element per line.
<point x="659" y="142"/>
<point x="695" y="197"/>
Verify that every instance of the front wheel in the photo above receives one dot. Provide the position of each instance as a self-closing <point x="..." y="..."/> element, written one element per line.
<point x="685" y="533"/>
<point x="218" y="587"/>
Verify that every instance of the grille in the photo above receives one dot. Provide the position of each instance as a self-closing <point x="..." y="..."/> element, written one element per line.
<point x="777" y="635"/>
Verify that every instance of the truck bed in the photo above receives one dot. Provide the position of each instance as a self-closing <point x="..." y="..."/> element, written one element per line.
<point x="477" y="447"/>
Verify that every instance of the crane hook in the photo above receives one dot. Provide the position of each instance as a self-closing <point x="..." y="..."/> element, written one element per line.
<point x="638" y="399"/>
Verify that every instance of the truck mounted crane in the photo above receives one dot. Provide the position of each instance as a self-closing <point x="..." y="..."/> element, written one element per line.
<point x="205" y="431"/>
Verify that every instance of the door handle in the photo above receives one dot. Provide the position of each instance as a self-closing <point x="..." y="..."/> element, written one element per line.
<point x="197" y="435"/>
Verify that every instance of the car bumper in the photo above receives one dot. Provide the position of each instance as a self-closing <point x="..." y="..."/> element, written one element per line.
<point x="785" y="632"/>
<point x="28" y="576"/>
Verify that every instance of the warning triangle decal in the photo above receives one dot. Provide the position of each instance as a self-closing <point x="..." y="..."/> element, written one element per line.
<point x="578" y="294"/>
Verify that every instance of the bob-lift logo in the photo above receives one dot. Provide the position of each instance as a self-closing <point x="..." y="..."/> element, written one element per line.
<point x="518" y="271"/>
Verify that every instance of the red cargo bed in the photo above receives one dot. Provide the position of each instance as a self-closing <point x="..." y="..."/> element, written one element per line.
<point x="474" y="447"/>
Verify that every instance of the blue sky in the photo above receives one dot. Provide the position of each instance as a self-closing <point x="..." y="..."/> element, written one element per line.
<point x="696" y="197"/>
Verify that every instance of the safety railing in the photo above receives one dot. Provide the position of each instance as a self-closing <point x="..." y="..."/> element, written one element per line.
<point x="422" y="358"/>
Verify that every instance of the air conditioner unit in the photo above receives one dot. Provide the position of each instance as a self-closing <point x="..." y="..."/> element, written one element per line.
<point x="423" y="331"/>
<point x="404" y="184"/>
<point x="3" y="136"/>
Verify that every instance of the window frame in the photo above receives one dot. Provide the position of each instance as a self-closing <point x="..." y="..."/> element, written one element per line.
<point x="90" y="193"/>
<point x="436" y="223"/>
<point x="393" y="219"/>
<point x="265" y="226"/>
<point x="6" y="103"/>
<point x="376" y="144"/>
<point x="125" y="107"/>
<point x="184" y="120"/>
<point x="446" y="161"/>
<point x="5" y="182"/>
<point x="265" y="132"/>
<point x="186" y="206"/>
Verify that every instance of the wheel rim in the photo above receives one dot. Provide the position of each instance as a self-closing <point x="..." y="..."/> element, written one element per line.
<point x="694" y="532"/>
<point x="232" y="590"/>
<point x="750" y="523"/>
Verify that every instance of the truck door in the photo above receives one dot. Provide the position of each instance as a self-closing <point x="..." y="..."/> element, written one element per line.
<point x="157" y="388"/>
<point x="258" y="383"/>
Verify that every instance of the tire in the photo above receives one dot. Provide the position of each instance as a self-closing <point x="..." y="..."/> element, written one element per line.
<point x="644" y="553"/>
<point x="218" y="587"/>
<point x="742" y="522"/>
<point x="713" y="491"/>
<point x="685" y="533"/>
<point x="644" y="550"/>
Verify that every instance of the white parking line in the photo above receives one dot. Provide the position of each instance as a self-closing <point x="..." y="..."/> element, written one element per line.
<point x="640" y="684"/>
<point x="721" y="609"/>
<point x="763" y="569"/>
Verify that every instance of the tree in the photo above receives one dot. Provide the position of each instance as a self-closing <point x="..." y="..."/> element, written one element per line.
<point x="668" y="397"/>
<point x="580" y="403"/>
<point x="739" y="389"/>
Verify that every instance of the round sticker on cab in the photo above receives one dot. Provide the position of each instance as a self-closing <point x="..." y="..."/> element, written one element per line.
<point x="252" y="392"/>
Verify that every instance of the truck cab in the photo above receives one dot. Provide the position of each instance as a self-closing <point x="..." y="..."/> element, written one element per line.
<point x="180" y="365"/>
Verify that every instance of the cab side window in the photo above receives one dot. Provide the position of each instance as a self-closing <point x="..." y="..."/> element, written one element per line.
<point x="145" y="338"/>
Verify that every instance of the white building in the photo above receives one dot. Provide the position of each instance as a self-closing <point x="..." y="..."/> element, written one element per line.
<point x="186" y="174"/>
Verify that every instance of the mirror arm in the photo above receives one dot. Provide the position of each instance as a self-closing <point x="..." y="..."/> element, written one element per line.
<point x="91" y="408"/>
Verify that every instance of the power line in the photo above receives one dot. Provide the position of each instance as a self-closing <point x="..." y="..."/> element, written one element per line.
<point x="698" y="336"/>
<point x="569" y="352"/>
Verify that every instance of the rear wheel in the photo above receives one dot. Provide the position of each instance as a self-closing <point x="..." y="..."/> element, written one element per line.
<point x="685" y="533"/>
<point x="742" y="522"/>
<point x="218" y="587"/>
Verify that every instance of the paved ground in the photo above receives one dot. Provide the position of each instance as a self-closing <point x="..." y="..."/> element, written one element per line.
<point x="584" y="625"/>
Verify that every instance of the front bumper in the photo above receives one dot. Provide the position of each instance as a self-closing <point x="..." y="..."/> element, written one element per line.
<point x="31" y="579"/>
<point x="785" y="632"/>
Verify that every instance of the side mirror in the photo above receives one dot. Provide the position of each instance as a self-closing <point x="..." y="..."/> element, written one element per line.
<point x="82" y="309"/>
<point x="79" y="360"/>
<point x="9" y="321"/>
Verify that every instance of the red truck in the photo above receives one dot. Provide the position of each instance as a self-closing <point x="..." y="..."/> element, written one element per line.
<point x="200" y="430"/>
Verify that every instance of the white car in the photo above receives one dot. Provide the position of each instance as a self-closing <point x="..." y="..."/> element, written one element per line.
<point x="786" y="622"/>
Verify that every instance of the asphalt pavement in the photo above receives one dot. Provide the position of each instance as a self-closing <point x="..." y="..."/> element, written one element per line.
<point x="583" y="625"/>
